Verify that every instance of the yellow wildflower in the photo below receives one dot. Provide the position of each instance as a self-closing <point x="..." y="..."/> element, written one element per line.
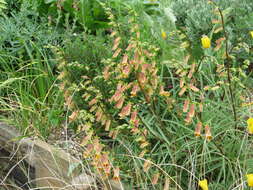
<point x="250" y="125"/>
<point x="250" y="180"/>
<point x="163" y="34"/>
<point x="251" y="33"/>
<point x="203" y="184"/>
<point x="206" y="42"/>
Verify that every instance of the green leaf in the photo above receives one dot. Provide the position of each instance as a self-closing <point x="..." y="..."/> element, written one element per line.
<point x="49" y="1"/>
<point x="2" y="5"/>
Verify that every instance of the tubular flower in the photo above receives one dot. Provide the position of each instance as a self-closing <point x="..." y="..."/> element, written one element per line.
<point x="125" y="111"/>
<point x="206" y="42"/>
<point x="203" y="184"/>
<point x="197" y="132"/>
<point x="186" y="105"/>
<point x="208" y="132"/>
<point x="251" y="33"/>
<point x="250" y="125"/>
<point x="250" y="180"/>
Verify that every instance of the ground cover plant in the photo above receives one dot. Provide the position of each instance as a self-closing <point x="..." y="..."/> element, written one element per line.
<point x="158" y="92"/>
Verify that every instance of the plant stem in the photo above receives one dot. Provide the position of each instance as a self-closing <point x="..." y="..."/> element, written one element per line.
<point x="227" y="64"/>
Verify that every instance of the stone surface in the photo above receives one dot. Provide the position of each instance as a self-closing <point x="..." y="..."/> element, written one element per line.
<point x="8" y="137"/>
<point x="114" y="185"/>
<point x="83" y="182"/>
<point x="51" y="164"/>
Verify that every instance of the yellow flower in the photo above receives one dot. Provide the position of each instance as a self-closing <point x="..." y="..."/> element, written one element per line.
<point x="163" y="34"/>
<point x="251" y="33"/>
<point x="203" y="184"/>
<point x="206" y="42"/>
<point x="250" y="125"/>
<point x="250" y="180"/>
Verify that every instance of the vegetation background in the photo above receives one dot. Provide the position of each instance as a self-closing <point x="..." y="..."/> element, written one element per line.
<point x="152" y="107"/>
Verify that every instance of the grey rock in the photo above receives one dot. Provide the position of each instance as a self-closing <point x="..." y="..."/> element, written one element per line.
<point x="83" y="182"/>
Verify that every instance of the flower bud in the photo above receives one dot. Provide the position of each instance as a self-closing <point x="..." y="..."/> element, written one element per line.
<point x="206" y="42"/>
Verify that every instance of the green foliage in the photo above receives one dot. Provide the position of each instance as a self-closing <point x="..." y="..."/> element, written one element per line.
<point x="85" y="13"/>
<point x="28" y="93"/>
<point x="196" y="18"/>
<point x="2" y="5"/>
<point x="23" y="34"/>
<point x="83" y="54"/>
<point x="86" y="49"/>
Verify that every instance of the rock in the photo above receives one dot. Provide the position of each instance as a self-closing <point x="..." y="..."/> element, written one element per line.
<point x="83" y="182"/>
<point x="51" y="164"/>
<point x="115" y="185"/>
<point x="8" y="136"/>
